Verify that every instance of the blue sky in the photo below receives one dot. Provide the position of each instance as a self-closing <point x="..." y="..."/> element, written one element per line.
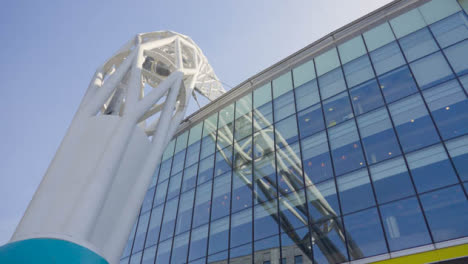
<point x="49" y="50"/>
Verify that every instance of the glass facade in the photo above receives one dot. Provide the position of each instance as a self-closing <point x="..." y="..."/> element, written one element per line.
<point x="358" y="152"/>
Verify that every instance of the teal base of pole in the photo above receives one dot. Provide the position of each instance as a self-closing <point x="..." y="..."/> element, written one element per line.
<point x="47" y="250"/>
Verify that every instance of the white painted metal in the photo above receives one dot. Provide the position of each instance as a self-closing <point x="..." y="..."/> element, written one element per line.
<point x="93" y="188"/>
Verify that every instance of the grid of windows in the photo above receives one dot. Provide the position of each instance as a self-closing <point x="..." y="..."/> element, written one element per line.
<point x="359" y="152"/>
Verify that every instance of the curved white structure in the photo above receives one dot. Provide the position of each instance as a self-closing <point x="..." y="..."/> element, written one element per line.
<point x="93" y="189"/>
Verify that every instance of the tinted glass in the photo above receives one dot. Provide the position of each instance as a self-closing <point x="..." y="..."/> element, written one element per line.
<point x="198" y="242"/>
<point x="457" y="57"/>
<point x="284" y="106"/>
<point x="451" y="30"/>
<point x="458" y="150"/>
<point x="387" y="58"/>
<point x="316" y="159"/>
<point x="431" y="70"/>
<point x="323" y="201"/>
<point x="418" y="44"/>
<point x="331" y="83"/>
<point x="201" y="212"/>
<point x="337" y="109"/>
<point x="366" y="97"/>
<point x="358" y="71"/>
<point x="310" y="121"/>
<point x="355" y="191"/>
<point x="307" y="95"/>
<point x="397" y="84"/>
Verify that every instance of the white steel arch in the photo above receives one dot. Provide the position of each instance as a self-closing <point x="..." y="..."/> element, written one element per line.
<point x="94" y="186"/>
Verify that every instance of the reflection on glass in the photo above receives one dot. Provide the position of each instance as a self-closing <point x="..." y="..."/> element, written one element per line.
<point x="218" y="258"/>
<point x="241" y="228"/>
<point x="266" y="220"/>
<point x="329" y="246"/>
<point x="358" y="71"/>
<point x="148" y="200"/>
<point x="193" y="152"/>
<point x="243" y="126"/>
<point x="178" y="162"/>
<point x="293" y="211"/>
<point x="307" y="95"/>
<point x="323" y="201"/>
<point x="165" y="170"/>
<point x="148" y="255"/>
<point x="225" y="126"/>
<point x="243" y="152"/>
<point x="404" y="224"/>
<point x="136" y="258"/>
<point x="331" y="83"/>
<point x="431" y="70"/>
<point x="431" y="168"/>
<point x="154" y="226"/>
<point x="295" y="245"/>
<point x="387" y="58"/>
<point x="219" y="235"/>
<point x="346" y="148"/>
<point x="223" y="161"/>
<point x="286" y="130"/>
<point x="241" y="188"/>
<point x="447" y="213"/>
<point x="267" y="250"/>
<point x="310" y="121"/>
<point x="198" y="242"/>
<point x="241" y="255"/>
<point x="180" y="249"/>
<point x="174" y="186"/>
<point x="457" y="57"/>
<point x="451" y="30"/>
<point x="418" y="44"/>
<point x="289" y="169"/>
<point x="284" y="106"/>
<point x="206" y="169"/>
<point x="168" y="224"/>
<point x="364" y="234"/>
<point x="141" y="232"/>
<point x="190" y="178"/>
<point x="201" y="212"/>
<point x="265" y="178"/>
<point x="449" y="108"/>
<point x="164" y="252"/>
<point x="355" y="191"/>
<point x="391" y="180"/>
<point x="221" y="196"/>
<point x="264" y="142"/>
<point x="377" y="135"/>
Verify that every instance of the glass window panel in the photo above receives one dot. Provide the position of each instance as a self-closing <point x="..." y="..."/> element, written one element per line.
<point x="407" y="23"/>
<point x="263" y="116"/>
<point x="198" y="261"/>
<point x="329" y="246"/>
<point x="262" y="95"/>
<point x="413" y="124"/>
<point x="124" y="261"/>
<point x="180" y="249"/>
<point x="464" y="81"/>
<point x="219" y="235"/>
<point x="286" y="131"/>
<point x="225" y="126"/>
<point x="366" y="97"/>
<point x="267" y="250"/>
<point x="243" y="126"/>
<point x="241" y="188"/>
<point x="451" y="30"/>
<point x="266" y="220"/>
<point x="195" y="133"/>
<point x="449" y="108"/>
<point x="397" y="84"/>
<point x="323" y="201"/>
<point x="218" y="258"/>
<point x="164" y="252"/>
<point x="160" y="195"/>
<point x="447" y="213"/>
<point x="316" y="159"/>
<point x="184" y="215"/>
<point x="241" y="228"/>
<point x="148" y="255"/>
<point x="181" y="142"/>
<point x="307" y="95"/>
<point x="243" y="152"/>
<point x="387" y="58"/>
<point x="458" y="150"/>
<point x="201" y="212"/>
<point x="310" y="121"/>
<point x="404" y="224"/>
<point x="174" y="186"/>
<point x="378" y="36"/>
<point x="198" y="242"/>
<point x="244" y="105"/>
<point x="355" y="191"/>
<point x="178" y="162"/>
<point x="128" y="247"/>
<point x="241" y="255"/>
<point x="346" y="148"/>
<point x="264" y="142"/>
<point x="165" y="170"/>
<point x="293" y="211"/>
<point x="282" y="85"/>
<point x="304" y="73"/>
<point x="136" y="258"/>
<point x="431" y="70"/>
<point x="226" y="115"/>
<point x="378" y="138"/>
<point x="358" y="71"/>
<point x="295" y="245"/>
<point x="464" y="4"/>
<point x="141" y="232"/>
<point x="327" y="61"/>
<point x="364" y="234"/>
<point x="431" y="168"/>
<point x="190" y="178"/>
<point x="154" y="226"/>
<point x="154" y="179"/>
<point x="193" y="153"/>
<point x="337" y="109"/>
<point x="289" y="169"/>
<point x="223" y="161"/>
<point x="418" y="44"/>
<point x="148" y="200"/>
<point x="352" y="49"/>
<point x="458" y="57"/>
<point x="221" y="196"/>
<point x="168" y="224"/>
<point x="391" y="180"/>
<point x="438" y="9"/>
<point x="284" y="106"/>
<point x="265" y="178"/>
<point x="206" y="169"/>
<point x="331" y="83"/>
<point x="169" y="151"/>
<point x="208" y="145"/>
